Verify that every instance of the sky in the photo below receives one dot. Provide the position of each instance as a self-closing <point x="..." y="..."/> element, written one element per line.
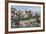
<point x="33" y="8"/>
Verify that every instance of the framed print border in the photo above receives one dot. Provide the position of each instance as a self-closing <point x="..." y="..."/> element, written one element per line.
<point x="6" y="16"/>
